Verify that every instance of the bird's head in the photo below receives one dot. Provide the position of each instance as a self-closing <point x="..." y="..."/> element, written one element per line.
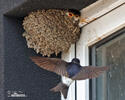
<point x="76" y="60"/>
<point x="73" y="14"/>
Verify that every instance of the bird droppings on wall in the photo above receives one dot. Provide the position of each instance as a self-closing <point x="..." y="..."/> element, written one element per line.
<point x="51" y="31"/>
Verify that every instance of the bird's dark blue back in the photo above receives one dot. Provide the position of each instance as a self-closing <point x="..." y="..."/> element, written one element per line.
<point x="73" y="69"/>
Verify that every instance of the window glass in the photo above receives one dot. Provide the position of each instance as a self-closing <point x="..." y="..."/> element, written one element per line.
<point x="111" y="85"/>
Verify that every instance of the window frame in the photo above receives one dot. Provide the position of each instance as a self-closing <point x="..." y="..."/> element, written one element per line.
<point x="92" y="33"/>
<point x="92" y="56"/>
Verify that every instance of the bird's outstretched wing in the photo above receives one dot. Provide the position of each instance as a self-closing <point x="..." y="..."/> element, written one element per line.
<point x="51" y="64"/>
<point x="89" y="72"/>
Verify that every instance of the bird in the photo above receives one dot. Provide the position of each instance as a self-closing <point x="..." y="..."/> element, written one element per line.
<point x="50" y="31"/>
<point x="70" y="70"/>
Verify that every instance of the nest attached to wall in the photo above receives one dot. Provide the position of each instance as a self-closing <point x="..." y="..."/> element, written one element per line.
<point x="50" y="31"/>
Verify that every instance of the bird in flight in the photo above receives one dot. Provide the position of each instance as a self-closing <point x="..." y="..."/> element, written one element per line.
<point x="70" y="70"/>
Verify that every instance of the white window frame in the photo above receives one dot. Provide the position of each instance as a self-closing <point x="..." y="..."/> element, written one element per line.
<point x="109" y="17"/>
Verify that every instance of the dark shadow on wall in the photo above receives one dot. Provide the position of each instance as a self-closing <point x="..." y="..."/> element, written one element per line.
<point x="21" y="75"/>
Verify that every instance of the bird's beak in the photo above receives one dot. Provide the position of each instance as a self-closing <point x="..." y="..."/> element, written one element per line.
<point x="82" y="22"/>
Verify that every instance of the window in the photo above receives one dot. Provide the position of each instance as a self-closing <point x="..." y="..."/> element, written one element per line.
<point x="109" y="52"/>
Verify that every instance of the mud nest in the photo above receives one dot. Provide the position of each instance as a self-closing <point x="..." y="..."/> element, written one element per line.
<point x="50" y="31"/>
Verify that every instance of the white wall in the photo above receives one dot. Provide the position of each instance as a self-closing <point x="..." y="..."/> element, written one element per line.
<point x="67" y="57"/>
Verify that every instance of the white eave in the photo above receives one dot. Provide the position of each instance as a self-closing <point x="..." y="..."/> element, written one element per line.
<point x="99" y="9"/>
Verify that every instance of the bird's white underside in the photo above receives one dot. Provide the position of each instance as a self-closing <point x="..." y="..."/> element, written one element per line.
<point x="67" y="81"/>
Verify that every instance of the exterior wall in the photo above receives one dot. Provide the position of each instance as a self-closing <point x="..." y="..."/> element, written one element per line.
<point x="10" y="27"/>
<point x="17" y="72"/>
<point x="68" y="56"/>
<point x="106" y="23"/>
<point x="4" y="6"/>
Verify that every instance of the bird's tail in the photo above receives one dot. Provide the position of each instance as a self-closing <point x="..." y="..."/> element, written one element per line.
<point x="61" y="88"/>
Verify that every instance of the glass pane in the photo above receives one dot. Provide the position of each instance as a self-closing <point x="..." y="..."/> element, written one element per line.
<point x="111" y="85"/>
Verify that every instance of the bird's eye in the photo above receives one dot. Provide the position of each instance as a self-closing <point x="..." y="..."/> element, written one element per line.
<point x="70" y="14"/>
<point x="77" y="16"/>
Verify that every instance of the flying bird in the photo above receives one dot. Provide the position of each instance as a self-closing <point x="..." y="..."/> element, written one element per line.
<point x="70" y="70"/>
